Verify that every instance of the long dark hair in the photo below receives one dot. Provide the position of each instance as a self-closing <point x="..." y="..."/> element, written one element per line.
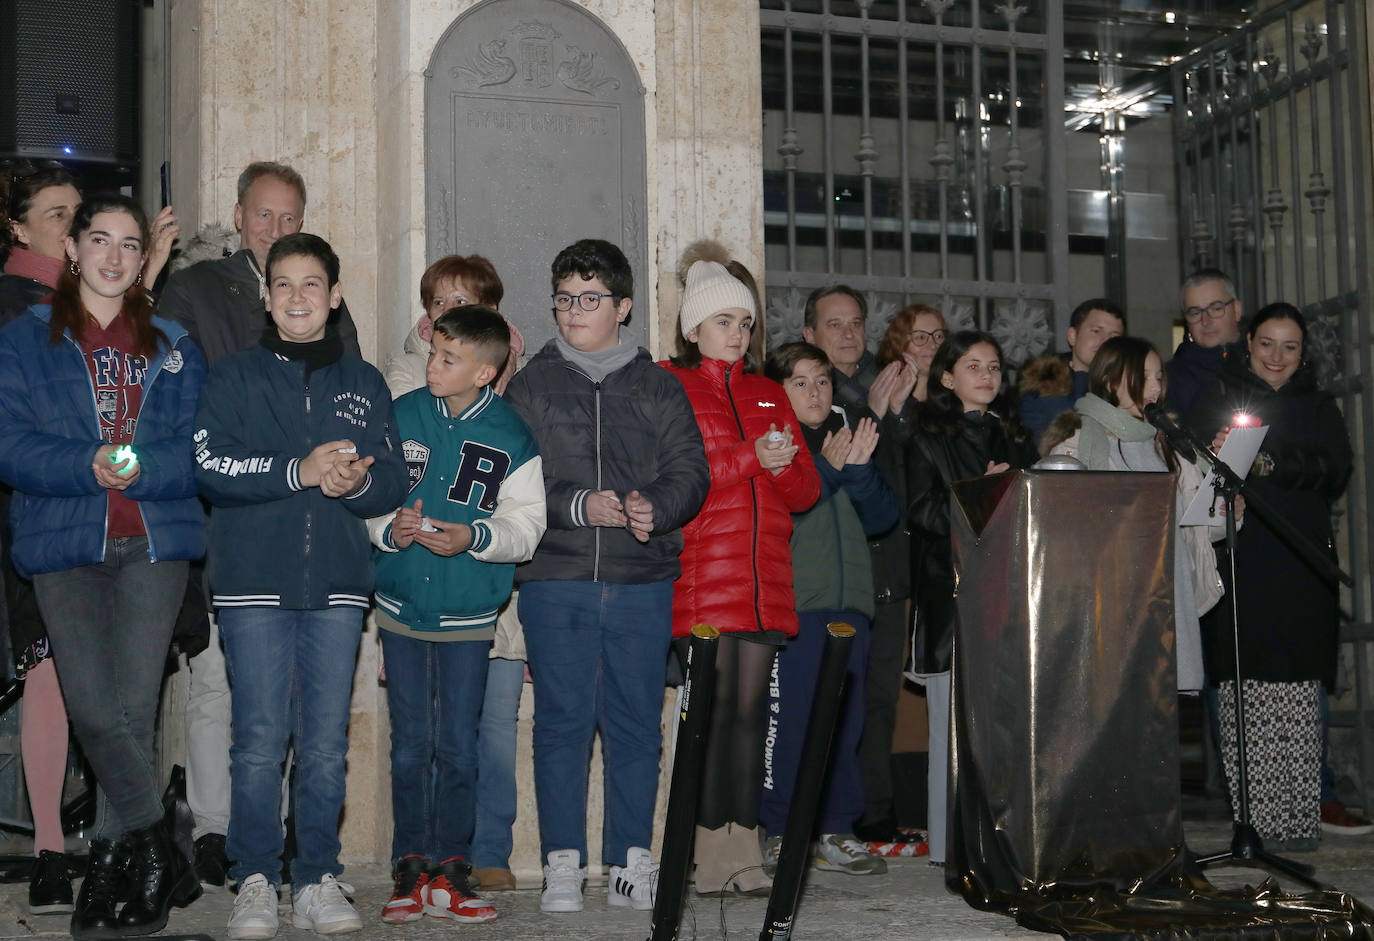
<point x="942" y="411"/>
<point x="1122" y="360"/>
<point x="70" y="315"/>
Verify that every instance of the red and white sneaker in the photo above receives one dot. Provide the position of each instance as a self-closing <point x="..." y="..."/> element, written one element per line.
<point x="408" y="896"/>
<point x="452" y="894"/>
<point x="897" y="850"/>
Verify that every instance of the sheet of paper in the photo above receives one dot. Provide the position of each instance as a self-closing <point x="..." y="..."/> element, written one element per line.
<point x="1238" y="452"/>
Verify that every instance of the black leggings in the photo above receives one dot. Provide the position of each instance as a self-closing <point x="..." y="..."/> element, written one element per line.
<point x="732" y="778"/>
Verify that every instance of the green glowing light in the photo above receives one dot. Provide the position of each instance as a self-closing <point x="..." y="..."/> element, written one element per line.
<point x="125" y="453"/>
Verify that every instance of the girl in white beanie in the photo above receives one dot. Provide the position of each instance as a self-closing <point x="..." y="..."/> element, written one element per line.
<point x="736" y="562"/>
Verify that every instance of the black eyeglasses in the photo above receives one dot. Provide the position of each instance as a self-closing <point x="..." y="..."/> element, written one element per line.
<point x="587" y="300"/>
<point x="1213" y="311"/>
<point x="926" y="337"/>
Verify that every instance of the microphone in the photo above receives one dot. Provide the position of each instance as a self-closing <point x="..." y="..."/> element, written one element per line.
<point x="1179" y="437"/>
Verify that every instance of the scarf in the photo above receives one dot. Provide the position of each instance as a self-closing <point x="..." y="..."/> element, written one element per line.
<point x="26" y="263"/>
<point x="1094" y="448"/>
<point x="316" y="354"/>
<point x="602" y="363"/>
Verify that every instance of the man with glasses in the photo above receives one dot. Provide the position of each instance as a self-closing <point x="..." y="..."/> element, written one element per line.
<point x="1211" y="315"/>
<point x="1050" y="384"/>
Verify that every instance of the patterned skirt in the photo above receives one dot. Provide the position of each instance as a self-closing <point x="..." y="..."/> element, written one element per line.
<point x="1283" y="751"/>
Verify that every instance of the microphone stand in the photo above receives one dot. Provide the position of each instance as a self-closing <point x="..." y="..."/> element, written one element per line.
<point x="1247" y="849"/>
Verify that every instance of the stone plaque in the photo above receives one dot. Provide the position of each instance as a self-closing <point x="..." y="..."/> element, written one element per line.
<point x="534" y="138"/>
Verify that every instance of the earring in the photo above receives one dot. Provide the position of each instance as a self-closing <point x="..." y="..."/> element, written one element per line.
<point x="139" y="279"/>
<point x="74" y="268"/>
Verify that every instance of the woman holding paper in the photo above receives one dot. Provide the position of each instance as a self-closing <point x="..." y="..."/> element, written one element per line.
<point x="1287" y="610"/>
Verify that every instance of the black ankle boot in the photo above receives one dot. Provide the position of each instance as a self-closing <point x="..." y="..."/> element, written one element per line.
<point x="163" y="877"/>
<point x="102" y="890"/>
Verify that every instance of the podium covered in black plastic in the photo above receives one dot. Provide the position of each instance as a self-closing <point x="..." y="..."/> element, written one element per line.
<point x="1064" y="792"/>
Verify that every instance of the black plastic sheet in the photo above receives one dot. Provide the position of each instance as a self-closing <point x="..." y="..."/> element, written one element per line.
<point x="1065" y="810"/>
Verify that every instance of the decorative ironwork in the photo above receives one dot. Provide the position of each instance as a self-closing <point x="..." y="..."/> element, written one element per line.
<point x="789" y="149"/>
<point x="865" y="155"/>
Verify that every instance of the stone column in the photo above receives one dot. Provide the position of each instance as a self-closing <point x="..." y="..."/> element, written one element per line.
<point x="710" y="127"/>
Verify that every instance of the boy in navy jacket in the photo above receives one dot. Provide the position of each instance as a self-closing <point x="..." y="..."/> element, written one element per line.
<point x="296" y="448"/>
<point x="446" y="567"/>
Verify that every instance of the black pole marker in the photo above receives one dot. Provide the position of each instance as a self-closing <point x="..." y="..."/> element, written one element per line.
<point x="680" y="820"/>
<point x="806" y="798"/>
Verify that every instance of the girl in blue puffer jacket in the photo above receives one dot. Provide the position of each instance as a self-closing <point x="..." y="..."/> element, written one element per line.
<point x="97" y="399"/>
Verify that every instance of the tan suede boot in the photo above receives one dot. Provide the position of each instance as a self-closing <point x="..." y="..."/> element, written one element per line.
<point x="712" y="859"/>
<point x="745" y="855"/>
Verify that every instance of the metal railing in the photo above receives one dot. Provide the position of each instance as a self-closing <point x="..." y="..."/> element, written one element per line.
<point x="942" y="108"/>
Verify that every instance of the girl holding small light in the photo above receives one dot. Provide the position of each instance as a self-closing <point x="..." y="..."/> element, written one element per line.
<point x="79" y="379"/>
<point x="1107" y="431"/>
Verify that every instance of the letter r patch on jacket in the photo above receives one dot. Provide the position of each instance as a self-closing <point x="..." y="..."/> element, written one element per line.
<point x="484" y="467"/>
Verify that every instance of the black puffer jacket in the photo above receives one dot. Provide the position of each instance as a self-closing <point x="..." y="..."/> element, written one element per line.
<point x="634" y="430"/>
<point x="1288" y="613"/>
<point x="936" y="459"/>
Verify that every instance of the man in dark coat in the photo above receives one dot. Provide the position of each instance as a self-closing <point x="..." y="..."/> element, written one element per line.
<point x="1212" y="312"/>
<point x="220" y="302"/>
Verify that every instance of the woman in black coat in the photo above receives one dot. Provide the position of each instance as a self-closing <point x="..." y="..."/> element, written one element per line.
<point x="1287" y="610"/>
<point x="965" y="428"/>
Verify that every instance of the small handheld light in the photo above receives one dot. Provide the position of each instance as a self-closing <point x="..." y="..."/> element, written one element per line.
<point x="125" y="453"/>
<point x="1244" y="420"/>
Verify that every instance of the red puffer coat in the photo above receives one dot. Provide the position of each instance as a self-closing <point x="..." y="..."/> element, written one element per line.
<point x="736" y="563"/>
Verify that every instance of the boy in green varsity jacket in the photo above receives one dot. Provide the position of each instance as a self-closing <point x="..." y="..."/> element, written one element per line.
<point x="447" y="561"/>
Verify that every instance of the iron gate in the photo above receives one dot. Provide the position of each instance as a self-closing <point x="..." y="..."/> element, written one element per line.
<point x="1272" y="154"/>
<point x="907" y="155"/>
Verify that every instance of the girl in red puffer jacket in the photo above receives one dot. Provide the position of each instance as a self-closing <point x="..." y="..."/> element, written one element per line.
<point x="736" y="562"/>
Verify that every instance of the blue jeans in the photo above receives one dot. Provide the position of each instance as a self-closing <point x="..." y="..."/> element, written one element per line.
<point x="496" y="788"/>
<point x="434" y="691"/>
<point x="597" y="652"/>
<point x="291" y="679"/>
<point x="110" y="625"/>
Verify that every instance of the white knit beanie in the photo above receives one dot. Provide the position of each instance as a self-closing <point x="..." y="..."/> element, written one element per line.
<point x="711" y="289"/>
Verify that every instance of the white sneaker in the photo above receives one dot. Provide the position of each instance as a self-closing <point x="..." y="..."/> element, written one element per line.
<point x="563" y="880"/>
<point x="255" y="910"/>
<point x="324" y="909"/>
<point x="636" y="883"/>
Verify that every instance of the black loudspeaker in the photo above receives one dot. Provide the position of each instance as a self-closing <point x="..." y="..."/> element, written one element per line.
<point x="69" y="80"/>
